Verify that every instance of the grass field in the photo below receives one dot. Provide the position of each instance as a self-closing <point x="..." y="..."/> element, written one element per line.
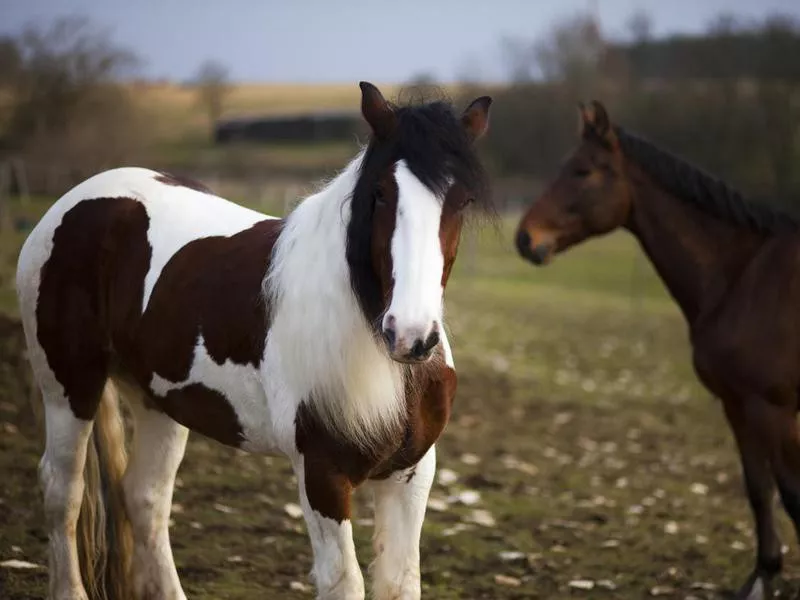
<point x="599" y="467"/>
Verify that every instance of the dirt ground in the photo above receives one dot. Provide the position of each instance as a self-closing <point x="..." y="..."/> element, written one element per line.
<point x="583" y="461"/>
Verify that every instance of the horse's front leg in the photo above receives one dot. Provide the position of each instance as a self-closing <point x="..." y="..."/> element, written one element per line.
<point x="400" y="502"/>
<point x="325" y="496"/>
<point x="753" y="451"/>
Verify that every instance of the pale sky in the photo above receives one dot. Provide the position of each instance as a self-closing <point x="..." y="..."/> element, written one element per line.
<point x="348" y="40"/>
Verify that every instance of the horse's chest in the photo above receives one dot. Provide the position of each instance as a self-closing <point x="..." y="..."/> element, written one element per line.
<point x="429" y="404"/>
<point x="429" y="412"/>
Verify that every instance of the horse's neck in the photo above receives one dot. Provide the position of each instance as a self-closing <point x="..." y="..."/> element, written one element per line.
<point x="328" y="352"/>
<point x="309" y="264"/>
<point x="697" y="255"/>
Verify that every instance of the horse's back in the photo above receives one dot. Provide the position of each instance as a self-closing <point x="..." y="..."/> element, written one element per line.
<point x="172" y="212"/>
<point x="87" y="269"/>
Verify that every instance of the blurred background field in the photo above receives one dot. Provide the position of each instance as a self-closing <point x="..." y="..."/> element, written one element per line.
<point x="583" y="459"/>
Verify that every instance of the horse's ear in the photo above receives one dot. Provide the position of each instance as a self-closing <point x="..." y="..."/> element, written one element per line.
<point x="581" y="119"/>
<point x="601" y="122"/>
<point x="377" y="111"/>
<point x="596" y="123"/>
<point x="476" y="118"/>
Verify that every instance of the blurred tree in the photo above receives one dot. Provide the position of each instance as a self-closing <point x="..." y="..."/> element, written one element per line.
<point x="777" y="92"/>
<point x="728" y="99"/>
<point x="68" y="112"/>
<point x="640" y="27"/>
<point x="725" y="23"/>
<point x="212" y="83"/>
<point x="10" y="62"/>
<point x="571" y="54"/>
<point x="519" y="56"/>
<point x="535" y="127"/>
<point x="533" y="131"/>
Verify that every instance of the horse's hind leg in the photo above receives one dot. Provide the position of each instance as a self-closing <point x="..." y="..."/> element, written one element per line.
<point x="61" y="477"/>
<point x="158" y="447"/>
<point x="70" y="405"/>
<point x="760" y="492"/>
<point x="779" y="425"/>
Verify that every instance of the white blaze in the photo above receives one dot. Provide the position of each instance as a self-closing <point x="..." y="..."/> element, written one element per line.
<point x="417" y="261"/>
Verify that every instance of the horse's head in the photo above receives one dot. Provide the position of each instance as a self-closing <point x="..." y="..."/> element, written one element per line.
<point x="418" y="176"/>
<point x="590" y="195"/>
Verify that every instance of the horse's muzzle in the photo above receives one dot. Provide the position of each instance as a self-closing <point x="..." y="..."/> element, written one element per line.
<point x="419" y="351"/>
<point x="538" y="254"/>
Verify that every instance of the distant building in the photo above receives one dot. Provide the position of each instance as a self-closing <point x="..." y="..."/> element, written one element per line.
<point x="310" y="127"/>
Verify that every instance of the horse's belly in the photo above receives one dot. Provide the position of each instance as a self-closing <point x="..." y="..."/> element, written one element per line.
<point x="226" y="402"/>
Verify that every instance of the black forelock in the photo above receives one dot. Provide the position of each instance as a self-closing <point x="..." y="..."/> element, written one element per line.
<point x="434" y="144"/>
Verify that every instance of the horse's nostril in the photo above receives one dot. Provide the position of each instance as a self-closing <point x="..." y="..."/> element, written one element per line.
<point x="390" y="337"/>
<point x="539" y="254"/>
<point x="421" y="349"/>
<point x="523" y="242"/>
<point x="418" y="349"/>
<point x="433" y="339"/>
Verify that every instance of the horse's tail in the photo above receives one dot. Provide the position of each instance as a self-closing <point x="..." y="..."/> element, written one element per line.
<point x="105" y="542"/>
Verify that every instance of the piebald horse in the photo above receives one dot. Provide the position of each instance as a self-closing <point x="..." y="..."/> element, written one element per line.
<point x="731" y="265"/>
<point x="319" y="337"/>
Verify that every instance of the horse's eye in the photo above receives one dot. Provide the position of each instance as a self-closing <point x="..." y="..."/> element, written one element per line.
<point x="380" y="198"/>
<point x="606" y="168"/>
<point x="581" y="172"/>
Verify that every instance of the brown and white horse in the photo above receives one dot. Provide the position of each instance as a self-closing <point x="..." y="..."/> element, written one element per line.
<point x="319" y="337"/>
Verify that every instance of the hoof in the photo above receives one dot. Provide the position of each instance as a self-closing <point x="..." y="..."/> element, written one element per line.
<point x="757" y="587"/>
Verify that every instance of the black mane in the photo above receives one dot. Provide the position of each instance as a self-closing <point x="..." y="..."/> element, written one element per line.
<point x="706" y="192"/>
<point x="434" y="143"/>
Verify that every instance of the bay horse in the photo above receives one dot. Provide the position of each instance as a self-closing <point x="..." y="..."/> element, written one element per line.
<point x="319" y="337"/>
<point x="732" y="266"/>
